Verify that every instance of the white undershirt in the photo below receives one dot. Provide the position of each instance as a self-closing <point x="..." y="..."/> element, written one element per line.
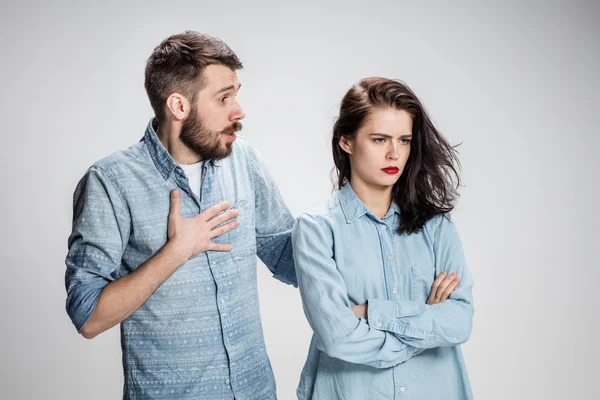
<point x="193" y="172"/>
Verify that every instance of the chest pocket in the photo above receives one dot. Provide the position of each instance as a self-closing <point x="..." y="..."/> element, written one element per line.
<point x="422" y="279"/>
<point x="243" y="238"/>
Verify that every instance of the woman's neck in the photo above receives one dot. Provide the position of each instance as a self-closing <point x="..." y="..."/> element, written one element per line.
<point x="377" y="198"/>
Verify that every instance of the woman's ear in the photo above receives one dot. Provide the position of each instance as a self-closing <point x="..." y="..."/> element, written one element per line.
<point x="346" y="144"/>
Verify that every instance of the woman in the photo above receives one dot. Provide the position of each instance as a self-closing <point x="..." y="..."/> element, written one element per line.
<point x="380" y="267"/>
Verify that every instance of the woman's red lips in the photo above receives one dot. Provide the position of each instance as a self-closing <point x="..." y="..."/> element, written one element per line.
<point x="390" y="170"/>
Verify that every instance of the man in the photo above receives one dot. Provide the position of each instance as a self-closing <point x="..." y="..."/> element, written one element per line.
<point x="166" y="233"/>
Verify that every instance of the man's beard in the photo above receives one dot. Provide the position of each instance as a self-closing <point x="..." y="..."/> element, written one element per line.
<point x="205" y="142"/>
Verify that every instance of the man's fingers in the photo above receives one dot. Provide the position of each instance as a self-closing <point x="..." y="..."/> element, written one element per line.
<point x="451" y="287"/>
<point x="175" y="202"/>
<point x="222" y="218"/>
<point x="224" y="228"/>
<point x="209" y="213"/>
<point x="219" y="246"/>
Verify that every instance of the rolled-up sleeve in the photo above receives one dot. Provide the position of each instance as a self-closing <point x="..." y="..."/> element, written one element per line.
<point x="100" y="232"/>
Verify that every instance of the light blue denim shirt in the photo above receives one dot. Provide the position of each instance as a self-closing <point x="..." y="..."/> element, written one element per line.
<point x="199" y="335"/>
<point x="405" y="349"/>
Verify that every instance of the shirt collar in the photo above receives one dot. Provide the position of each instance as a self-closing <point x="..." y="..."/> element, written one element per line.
<point x="353" y="207"/>
<point x="163" y="161"/>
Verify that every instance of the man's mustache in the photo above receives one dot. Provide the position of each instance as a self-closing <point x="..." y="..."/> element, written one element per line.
<point x="235" y="127"/>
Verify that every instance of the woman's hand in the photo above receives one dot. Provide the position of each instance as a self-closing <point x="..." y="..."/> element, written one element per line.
<point x="442" y="287"/>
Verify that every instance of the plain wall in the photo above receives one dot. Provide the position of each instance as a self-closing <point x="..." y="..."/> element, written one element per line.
<point x="517" y="84"/>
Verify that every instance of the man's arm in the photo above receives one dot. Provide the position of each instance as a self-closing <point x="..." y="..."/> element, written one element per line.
<point x="122" y="297"/>
<point x="97" y="299"/>
<point x="274" y="223"/>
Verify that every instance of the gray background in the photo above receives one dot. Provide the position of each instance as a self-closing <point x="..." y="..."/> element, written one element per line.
<point x="516" y="83"/>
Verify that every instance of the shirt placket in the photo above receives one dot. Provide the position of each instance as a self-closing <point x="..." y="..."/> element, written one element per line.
<point x="395" y="292"/>
<point x="215" y="263"/>
<point x="392" y="288"/>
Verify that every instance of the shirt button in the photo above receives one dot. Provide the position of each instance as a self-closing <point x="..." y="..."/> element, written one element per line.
<point x="394" y="290"/>
<point x="389" y="258"/>
<point x="227" y="381"/>
<point x="223" y="301"/>
<point x="379" y="323"/>
<point x="384" y="228"/>
<point x="402" y="389"/>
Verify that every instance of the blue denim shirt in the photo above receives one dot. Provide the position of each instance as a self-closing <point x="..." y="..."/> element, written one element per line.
<point x="405" y="349"/>
<point x="199" y="335"/>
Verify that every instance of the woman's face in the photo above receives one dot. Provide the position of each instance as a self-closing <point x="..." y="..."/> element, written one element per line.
<point x="380" y="149"/>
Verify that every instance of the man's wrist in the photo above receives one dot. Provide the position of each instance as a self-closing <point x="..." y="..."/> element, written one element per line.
<point x="175" y="252"/>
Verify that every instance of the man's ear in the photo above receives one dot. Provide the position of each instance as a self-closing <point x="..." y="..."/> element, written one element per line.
<point x="178" y="106"/>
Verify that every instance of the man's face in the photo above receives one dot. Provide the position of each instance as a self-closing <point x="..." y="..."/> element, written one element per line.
<point x="209" y="130"/>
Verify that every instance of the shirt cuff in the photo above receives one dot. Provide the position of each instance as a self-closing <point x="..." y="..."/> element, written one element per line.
<point x="286" y="272"/>
<point x="381" y="314"/>
<point x="386" y="315"/>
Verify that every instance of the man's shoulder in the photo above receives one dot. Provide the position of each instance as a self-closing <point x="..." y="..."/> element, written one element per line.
<point x="122" y="160"/>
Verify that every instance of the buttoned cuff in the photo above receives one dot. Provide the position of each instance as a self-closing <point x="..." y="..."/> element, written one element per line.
<point x="381" y="314"/>
<point x="386" y="315"/>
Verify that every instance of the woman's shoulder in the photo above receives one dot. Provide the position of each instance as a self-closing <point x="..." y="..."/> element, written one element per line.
<point x="440" y="227"/>
<point x="326" y="213"/>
